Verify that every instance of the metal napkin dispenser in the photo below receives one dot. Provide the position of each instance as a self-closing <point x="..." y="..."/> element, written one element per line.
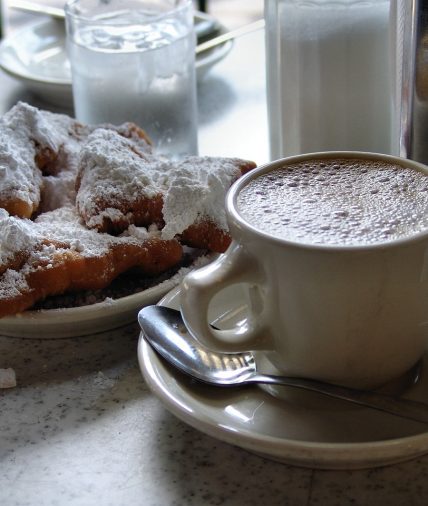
<point x="411" y="20"/>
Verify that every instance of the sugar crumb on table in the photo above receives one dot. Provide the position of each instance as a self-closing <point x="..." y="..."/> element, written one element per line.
<point x="7" y="378"/>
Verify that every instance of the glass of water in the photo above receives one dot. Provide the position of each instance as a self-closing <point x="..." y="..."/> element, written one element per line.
<point x="134" y="60"/>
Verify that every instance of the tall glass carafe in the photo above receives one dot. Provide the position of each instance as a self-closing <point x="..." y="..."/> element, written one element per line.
<point x="330" y="76"/>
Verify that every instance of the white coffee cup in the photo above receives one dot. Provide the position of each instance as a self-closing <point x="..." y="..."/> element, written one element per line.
<point x="355" y="315"/>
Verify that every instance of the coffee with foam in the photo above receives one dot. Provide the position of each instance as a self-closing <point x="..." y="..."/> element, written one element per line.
<point x="350" y="202"/>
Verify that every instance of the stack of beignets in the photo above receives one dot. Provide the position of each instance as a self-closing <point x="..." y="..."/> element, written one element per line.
<point x="81" y="204"/>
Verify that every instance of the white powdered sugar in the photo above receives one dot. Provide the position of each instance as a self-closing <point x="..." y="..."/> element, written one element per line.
<point x="17" y="235"/>
<point x="20" y="179"/>
<point x="27" y="131"/>
<point x="61" y="226"/>
<point x="7" y="378"/>
<point x="115" y="169"/>
<point x="12" y="284"/>
<point x="196" y="190"/>
<point x="175" y="280"/>
<point x="46" y="129"/>
<point x="142" y="233"/>
<point x="115" y="175"/>
<point x="39" y="243"/>
<point x="65" y="225"/>
<point x="58" y="191"/>
<point x="24" y="131"/>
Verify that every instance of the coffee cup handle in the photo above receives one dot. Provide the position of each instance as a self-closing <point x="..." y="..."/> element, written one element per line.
<point x="200" y="286"/>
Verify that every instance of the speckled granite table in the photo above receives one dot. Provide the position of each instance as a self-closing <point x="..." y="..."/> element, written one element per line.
<point x="82" y="428"/>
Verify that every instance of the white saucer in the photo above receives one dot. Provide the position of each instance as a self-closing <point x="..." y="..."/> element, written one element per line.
<point x="307" y="430"/>
<point x="36" y="55"/>
<point x="91" y="319"/>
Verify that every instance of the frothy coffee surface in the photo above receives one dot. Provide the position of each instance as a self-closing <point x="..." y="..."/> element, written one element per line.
<point x="338" y="202"/>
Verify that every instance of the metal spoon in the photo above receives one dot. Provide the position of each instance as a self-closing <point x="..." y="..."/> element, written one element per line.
<point x="37" y="8"/>
<point x="164" y="329"/>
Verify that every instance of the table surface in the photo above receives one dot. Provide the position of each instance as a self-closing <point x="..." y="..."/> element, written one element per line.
<point x="82" y="428"/>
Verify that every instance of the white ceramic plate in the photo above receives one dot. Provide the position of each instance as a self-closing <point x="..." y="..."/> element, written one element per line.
<point x="79" y="321"/>
<point x="36" y="55"/>
<point x="306" y="429"/>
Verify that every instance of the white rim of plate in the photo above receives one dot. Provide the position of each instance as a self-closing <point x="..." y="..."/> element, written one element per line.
<point x="18" y="69"/>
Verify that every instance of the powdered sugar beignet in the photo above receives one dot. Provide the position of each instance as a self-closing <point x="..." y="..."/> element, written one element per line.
<point x="57" y="253"/>
<point x="39" y="153"/>
<point x="82" y="204"/>
<point x="119" y="185"/>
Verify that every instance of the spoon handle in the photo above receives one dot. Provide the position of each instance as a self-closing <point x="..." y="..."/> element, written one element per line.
<point x="36" y="8"/>
<point x="233" y="34"/>
<point x="404" y="408"/>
